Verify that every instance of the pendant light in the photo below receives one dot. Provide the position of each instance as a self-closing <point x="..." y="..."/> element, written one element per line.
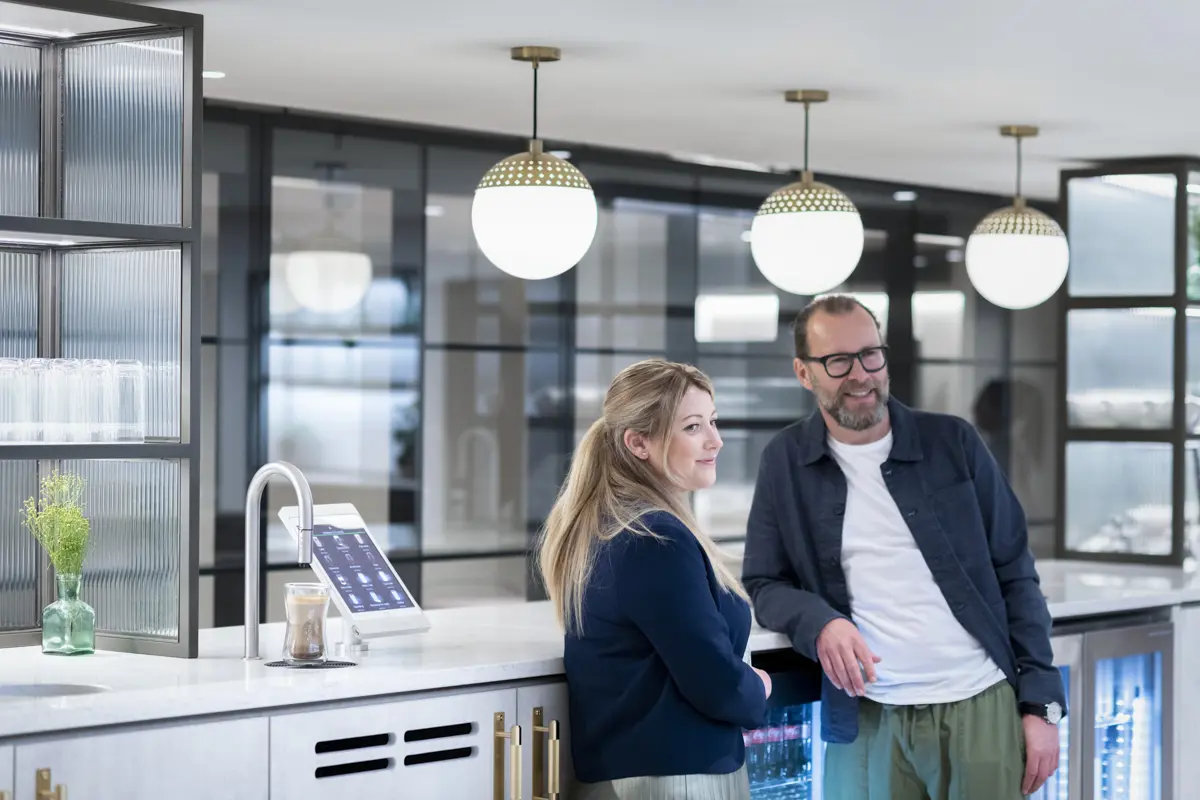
<point x="807" y="237"/>
<point x="534" y="214"/>
<point x="331" y="274"/>
<point x="1017" y="257"/>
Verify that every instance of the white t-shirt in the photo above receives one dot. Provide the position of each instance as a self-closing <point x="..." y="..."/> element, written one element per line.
<point x="927" y="655"/>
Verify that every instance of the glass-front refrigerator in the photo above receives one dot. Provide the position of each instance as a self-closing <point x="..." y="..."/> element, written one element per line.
<point x="784" y="757"/>
<point x="1129" y="704"/>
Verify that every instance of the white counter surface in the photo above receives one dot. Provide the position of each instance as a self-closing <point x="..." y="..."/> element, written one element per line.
<point x="465" y="647"/>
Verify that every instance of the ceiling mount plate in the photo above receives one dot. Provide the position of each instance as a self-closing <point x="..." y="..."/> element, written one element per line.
<point x="1019" y="131"/>
<point x="806" y="95"/>
<point x="536" y="54"/>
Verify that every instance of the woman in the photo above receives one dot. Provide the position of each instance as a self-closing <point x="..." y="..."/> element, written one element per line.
<point x="656" y="623"/>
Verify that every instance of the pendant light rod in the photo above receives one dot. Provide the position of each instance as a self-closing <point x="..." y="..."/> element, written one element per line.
<point x="807" y="97"/>
<point x="535" y="55"/>
<point x="1020" y="133"/>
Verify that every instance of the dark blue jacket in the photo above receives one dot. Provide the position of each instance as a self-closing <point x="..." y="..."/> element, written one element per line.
<point x="966" y="522"/>
<point x="657" y="681"/>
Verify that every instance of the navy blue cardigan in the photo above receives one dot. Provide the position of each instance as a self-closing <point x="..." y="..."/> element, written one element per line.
<point x="657" y="681"/>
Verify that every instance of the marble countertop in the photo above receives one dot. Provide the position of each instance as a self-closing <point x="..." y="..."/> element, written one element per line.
<point x="465" y="647"/>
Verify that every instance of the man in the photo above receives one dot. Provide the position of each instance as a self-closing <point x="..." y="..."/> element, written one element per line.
<point x="887" y="544"/>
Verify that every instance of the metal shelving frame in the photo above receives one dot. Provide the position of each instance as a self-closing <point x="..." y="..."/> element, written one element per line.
<point x="49" y="236"/>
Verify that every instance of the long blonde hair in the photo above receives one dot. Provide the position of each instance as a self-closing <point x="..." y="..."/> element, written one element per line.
<point x="608" y="488"/>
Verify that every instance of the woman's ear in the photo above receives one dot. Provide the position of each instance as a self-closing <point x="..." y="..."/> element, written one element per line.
<point x="637" y="444"/>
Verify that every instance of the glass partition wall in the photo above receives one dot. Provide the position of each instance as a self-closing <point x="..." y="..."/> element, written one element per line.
<point x="1130" y="412"/>
<point x="446" y="399"/>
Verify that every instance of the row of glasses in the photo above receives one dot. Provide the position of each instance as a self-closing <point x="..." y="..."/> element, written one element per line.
<point x="72" y="400"/>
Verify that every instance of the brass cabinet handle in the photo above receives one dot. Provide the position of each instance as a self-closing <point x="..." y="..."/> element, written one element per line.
<point x="546" y="777"/>
<point x="498" y="748"/>
<point x="42" y="787"/>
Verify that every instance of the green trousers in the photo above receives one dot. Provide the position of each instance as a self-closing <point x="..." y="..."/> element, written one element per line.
<point x="970" y="750"/>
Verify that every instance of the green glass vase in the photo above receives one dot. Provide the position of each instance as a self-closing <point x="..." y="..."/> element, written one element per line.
<point x="68" y="624"/>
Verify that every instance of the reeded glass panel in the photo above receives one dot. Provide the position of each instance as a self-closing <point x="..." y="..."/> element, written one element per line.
<point x="593" y="374"/>
<point x="1122" y="234"/>
<point x="19" y="608"/>
<point x="125" y="304"/>
<point x="122" y="131"/>
<point x="1119" y="497"/>
<point x="20" y="128"/>
<point x="18" y="304"/>
<point x="1119" y="368"/>
<point x="131" y="576"/>
<point x="1193" y="260"/>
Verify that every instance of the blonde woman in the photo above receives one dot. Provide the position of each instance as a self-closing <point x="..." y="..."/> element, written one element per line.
<point x="656" y="624"/>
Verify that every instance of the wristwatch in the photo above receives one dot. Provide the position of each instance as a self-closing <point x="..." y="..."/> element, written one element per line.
<point x="1050" y="712"/>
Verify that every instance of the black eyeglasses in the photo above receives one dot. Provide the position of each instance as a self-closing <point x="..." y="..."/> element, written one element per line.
<point x="838" y="365"/>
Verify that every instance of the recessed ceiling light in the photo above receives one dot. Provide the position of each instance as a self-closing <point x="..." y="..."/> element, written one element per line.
<point x="434" y="211"/>
<point x="35" y="31"/>
<point x="746" y="237"/>
<point x="563" y="154"/>
<point x="904" y="196"/>
<point x="212" y="73"/>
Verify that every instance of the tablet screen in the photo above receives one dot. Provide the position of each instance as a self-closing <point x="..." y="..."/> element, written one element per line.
<point x="363" y="576"/>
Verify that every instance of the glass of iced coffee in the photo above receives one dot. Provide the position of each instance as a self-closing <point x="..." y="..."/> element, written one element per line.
<point x="305" y="605"/>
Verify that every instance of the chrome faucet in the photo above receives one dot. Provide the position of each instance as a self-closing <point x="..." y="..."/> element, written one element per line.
<point x="258" y="485"/>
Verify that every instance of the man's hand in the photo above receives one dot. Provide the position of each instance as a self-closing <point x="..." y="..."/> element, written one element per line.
<point x="845" y="657"/>
<point x="1041" y="753"/>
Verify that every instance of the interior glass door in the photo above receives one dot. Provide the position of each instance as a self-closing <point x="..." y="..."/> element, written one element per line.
<point x="1130" y="714"/>
<point x="783" y="758"/>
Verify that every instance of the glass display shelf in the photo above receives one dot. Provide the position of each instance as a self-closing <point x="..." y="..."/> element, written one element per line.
<point x="783" y="757"/>
<point x="1128" y="743"/>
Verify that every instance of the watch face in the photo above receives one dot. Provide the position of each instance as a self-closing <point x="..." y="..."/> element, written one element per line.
<point x="1053" y="713"/>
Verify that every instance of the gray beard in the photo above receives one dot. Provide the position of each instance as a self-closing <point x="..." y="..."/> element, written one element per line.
<point x="861" y="421"/>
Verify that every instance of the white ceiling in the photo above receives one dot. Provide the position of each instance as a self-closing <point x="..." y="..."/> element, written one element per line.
<point x="918" y="87"/>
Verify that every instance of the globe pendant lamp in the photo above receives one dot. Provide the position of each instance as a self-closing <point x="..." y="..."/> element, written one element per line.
<point x="807" y="237"/>
<point x="534" y="214"/>
<point x="1017" y="257"/>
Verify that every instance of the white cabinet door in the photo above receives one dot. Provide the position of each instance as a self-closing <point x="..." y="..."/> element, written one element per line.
<point x="6" y="772"/>
<point x="1187" y="700"/>
<point x="538" y="706"/>
<point x="225" y="759"/>
<point x="433" y="747"/>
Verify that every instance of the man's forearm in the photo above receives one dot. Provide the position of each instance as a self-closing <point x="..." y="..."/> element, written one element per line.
<point x="785" y="608"/>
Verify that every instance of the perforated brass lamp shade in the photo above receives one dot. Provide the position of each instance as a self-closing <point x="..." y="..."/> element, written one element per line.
<point x="1017" y="257"/>
<point x="807" y="237"/>
<point x="534" y="215"/>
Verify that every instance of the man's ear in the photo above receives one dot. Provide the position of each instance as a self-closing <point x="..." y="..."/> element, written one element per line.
<point x="801" y="368"/>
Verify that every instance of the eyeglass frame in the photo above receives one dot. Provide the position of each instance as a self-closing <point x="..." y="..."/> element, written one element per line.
<point x="824" y="360"/>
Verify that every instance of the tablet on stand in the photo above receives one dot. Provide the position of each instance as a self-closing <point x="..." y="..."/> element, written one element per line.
<point x="369" y="595"/>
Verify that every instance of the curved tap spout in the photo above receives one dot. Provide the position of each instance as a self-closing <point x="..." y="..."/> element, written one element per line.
<point x="258" y="485"/>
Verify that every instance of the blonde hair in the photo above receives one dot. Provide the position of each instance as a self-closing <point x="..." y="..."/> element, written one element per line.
<point x="608" y="488"/>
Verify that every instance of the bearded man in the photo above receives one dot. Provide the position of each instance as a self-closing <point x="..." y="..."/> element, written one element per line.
<point x="887" y="544"/>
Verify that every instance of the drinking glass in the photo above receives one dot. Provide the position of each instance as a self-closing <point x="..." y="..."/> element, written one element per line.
<point x="305" y="605"/>
<point x="100" y="399"/>
<point x="11" y="387"/>
<point x="131" y="401"/>
<point x="35" y="376"/>
<point x="63" y="402"/>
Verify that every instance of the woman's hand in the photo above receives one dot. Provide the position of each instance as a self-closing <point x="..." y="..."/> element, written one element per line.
<point x="766" y="679"/>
